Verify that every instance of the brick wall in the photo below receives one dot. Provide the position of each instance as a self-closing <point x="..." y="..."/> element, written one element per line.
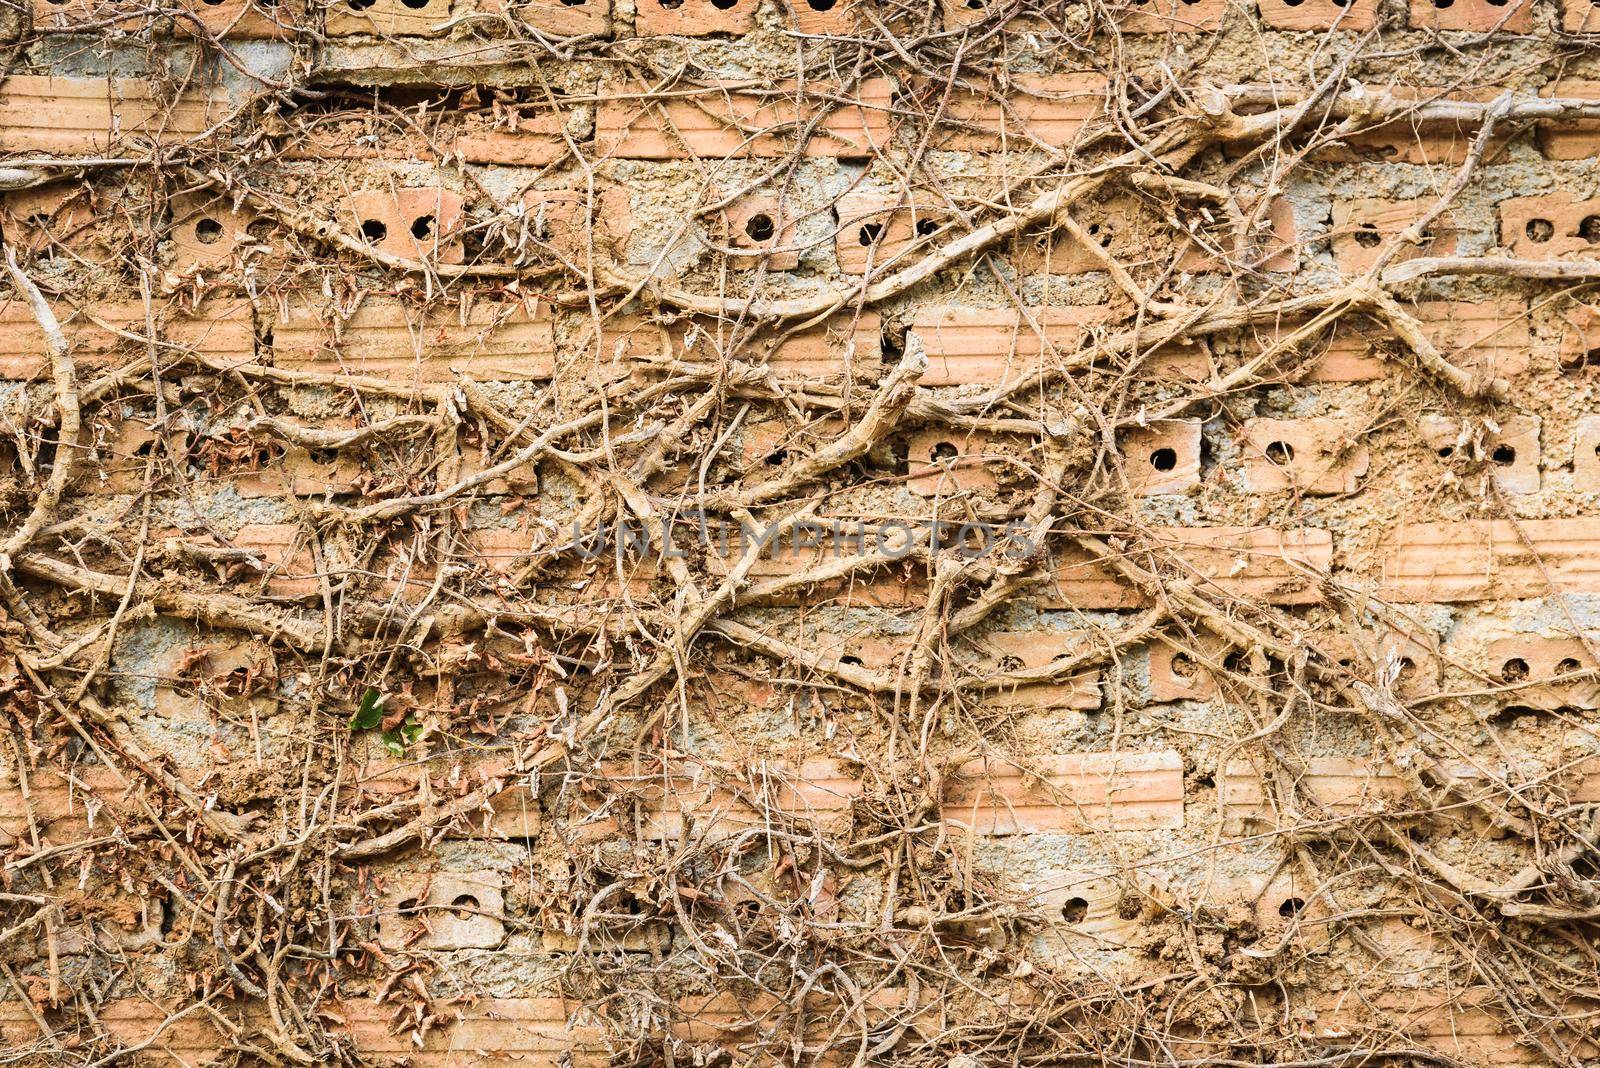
<point x="800" y="531"/>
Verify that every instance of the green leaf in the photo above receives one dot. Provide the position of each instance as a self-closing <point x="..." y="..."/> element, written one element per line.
<point x="370" y="714"/>
<point x="400" y="737"/>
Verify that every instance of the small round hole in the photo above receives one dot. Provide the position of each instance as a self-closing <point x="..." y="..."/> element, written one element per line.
<point x="870" y="232"/>
<point x="820" y="5"/>
<point x="724" y="5"/>
<point x="1568" y="666"/>
<point x="1539" y="230"/>
<point x="361" y="5"/>
<point x="1184" y="667"/>
<point x="1292" y="906"/>
<point x="1075" y="910"/>
<point x="1442" y="4"/>
<point x="573" y="3"/>
<point x="1504" y="455"/>
<point x="926" y="228"/>
<point x="944" y="452"/>
<point x="464" y="905"/>
<point x="415" y="5"/>
<point x="1009" y="664"/>
<point x="373" y="230"/>
<point x="1446" y="451"/>
<point x="760" y="227"/>
<point x="1164" y="459"/>
<point x="259" y="229"/>
<point x="422" y="227"/>
<point x="1589" y="229"/>
<point x="1279" y="452"/>
<point x="1514" y="670"/>
<point x="208" y="231"/>
<point x="1367" y="236"/>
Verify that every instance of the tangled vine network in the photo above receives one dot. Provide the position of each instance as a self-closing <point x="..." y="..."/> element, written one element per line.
<point x="1017" y="533"/>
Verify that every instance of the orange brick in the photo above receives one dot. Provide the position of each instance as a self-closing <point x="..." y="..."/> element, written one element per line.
<point x="1586" y="455"/>
<point x="1087" y="905"/>
<point x="1327" y="786"/>
<point x="89" y="800"/>
<point x="561" y="18"/>
<point x="1512" y="451"/>
<point x="1311" y="456"/>
<point x="415" y="224"/>
<point x="761" y="230"/>
<point x="695" y="18"/>
<point x="513" y="813"/>
<point x="819" y="792"/>
<point x="844" y="347"/>
<point x="1435" y="141"/>
<point x="94" y="116"/>
<point x="229" y="19"/>
<point x="1570" y="138"/>
<point x="943" y="463"/>
<point x="830" y="18"/>
<point x="1075" y="794"/>
<point x="1138" y="234"/>
<point x="1509" y="16"/>
<point x="440" y="910"/>
<point x="1580" y="16"/>
<point x="387" y="339"/>
<point x="1278" y="567"/>
<point x="210" y="231"/>
<point x="1173" y="16"/>
<point x="1052" y="110"/>
<point x="983" y="346"/>
<point x="58" y="213"/>
<point x="877" y="229"/>
<point x="1550" y="227"/>
<point x="1362" y="227"/>
<point x="1353" y="15"/>
<point x="1526" y="658"/>
<point x="517" y="132"/>
<point x="1460" y="1026"/>
<point x="220" y="329"/>
<point x="1003" y="652"/>
<point x="289" y="569"/>
<point x="1182" y="674"/>
<point x="744" y="120"/>
<point x="531" y="1032"/>
<point x="388" y="18"/>
<point x="1493" y="336"/>
<point x="1479" y="560"/>
<point x="1161" y="458"/>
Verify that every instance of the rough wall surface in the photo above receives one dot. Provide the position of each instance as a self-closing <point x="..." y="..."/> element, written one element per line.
<point x="554" y="532"/>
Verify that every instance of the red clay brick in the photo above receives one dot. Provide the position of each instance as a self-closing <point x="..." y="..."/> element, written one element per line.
<point x="1511" y="452"/>
<point x="1550" y="227"/>
<point x="1480" y="560"/>
<point x="388" y="18"/>
<point x="1052" y="110"/>
<point x="1571" y="138"/>
<point x="221" y="329"/>
<point x="1580" y="16"/>
<point x="413" y="224"/>
<point x="533" y="1032"/>
<point x="1355" y="15"/>
<point x="1075" y="794"/>
<point x="1508" y="16"/>
<point x="1362" y="227"/>
<point x="1312" y="456"/>
<point x="89" y="116"/>
<point x="1161" y="458"/>
<point x="745" y="120"/>
<point x="1173" y="16"/>
<point x="695" y="18"/>
<point x="1000" y="652"/>
<point x="983" y="346"/>
<point x="1586" y="455"/>
<point x="877" y="229"/>
<point x="1526" y="658"/>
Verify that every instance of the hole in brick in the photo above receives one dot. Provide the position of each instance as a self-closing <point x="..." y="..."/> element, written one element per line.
<point x="1129" y="907"/>
<point x="778" y="457"/>
<point x="760" y="227"/>
<point x="1504" y="455"/>
<point x="944" y="452"/>
<point x="361" y="5"/>
<point x="1568" y="666"/>
<point x="422" y="227"/>
<point x="464" y="905"/>
<point x="211" y="3"/>
<point x="1009" y="664"/>
<point x="1184" y="667"/>
<point x="1589" y="229"/>
<point x="1367" y="236"/>
<point x="208" y="231"/>
<point x="820" y="5"/>
<point x="1279" y="452"/>
<point x="373" y="230"/>
<point x="1405" y="668"/>
<point x="853" y="661"/>
<point x="1075" y="910"/>
<point x="870" y="232"/>
<point x="1164" y="459"/>
<point x="573" y="3"/>
<point x="926" y="227"/>
<point x="1292" y="906"/>
<point x="1498" y="3"/>
<point x="1442" y="4"/>
<point x="975" y="5"/>
<point x="1514" y="670"/>
<point x="1539" y="230"/>
<point x="323" y="456"/>
<point x="671" y="5"/>
<point x="415" y="5"/>
<point x="260" y="229"/>
<point x="1446" y="451"/>
<point x="723" y="5"/>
